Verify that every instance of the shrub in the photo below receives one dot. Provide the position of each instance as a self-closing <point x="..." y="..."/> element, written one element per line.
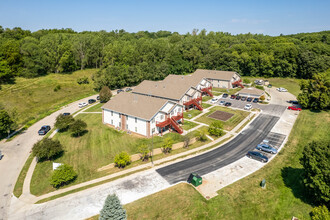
<point x="144" y="152"/>
<point x="260" y="87"/>
<point x="105" y="94"/>
<point x="64" y="174"/>
<point x="112" y="209"/>
<point x="47" y="149"/>
<point x="83" y="80"/>
<point x="167" y="145"/>
<point x="320" y="213"/>
<point x="246" y="81"/>
<point x="58" y="87"/>
<point x="216" y="128"/>
<point x="262" y="98"/>
<point x="77" y="128"/>
<point x="5" y="122"/>
<point x="316" y="163"/>
<point x="122" y="159"/>
<point x="186" y="140"/>
<point x="63" y="122"/>
<point x="201" y="135"/>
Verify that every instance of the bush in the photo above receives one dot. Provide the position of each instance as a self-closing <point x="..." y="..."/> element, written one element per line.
<point x="320" y="213"/>
<point x="112" y="209"/>
<point x="246" y="81"/>
<point x="63" y="122"/>
<point x="77" y="128"/>
<point x="216" y="128"/>
<point x="64" y="174"/>
<point x="105" y="94"/>
<point x="262" y="98"/>
<point x="260" y="87"/>
<point x="122" y="159"/>
<point x="83" y="80"/>
<point x="144" y="152"/>
<point x="5" y="122"/>
<point x="167" y="145"/>
<point x="58" y="87"/>
<point x="201" y="135"/>
<point x="186" y="140"/>
<point x="47" y="149"/>
<point x="316" y="163"/>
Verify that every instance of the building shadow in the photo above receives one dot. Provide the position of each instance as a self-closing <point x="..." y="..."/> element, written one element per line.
<point x="294" y="179"/>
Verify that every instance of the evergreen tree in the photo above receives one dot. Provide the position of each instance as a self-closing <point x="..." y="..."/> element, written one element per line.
<point x="112" y="209"/>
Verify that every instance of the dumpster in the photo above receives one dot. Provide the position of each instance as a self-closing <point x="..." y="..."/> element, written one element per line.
<point x="195" y="179"/>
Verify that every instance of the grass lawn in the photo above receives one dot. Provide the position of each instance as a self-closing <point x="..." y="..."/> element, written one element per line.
<point x="18" y="189"/>
<point x="193" y="113"/>
<point x="205" y="128"/>
<point x="93" y="150"/>
<point x="187" y="125"/>
<point x="230" y="123"/>
<point x="206" y="98"/>
<point x="35" y="98"/>
<point x="95" y="108"/>
<point x="230" y="92"/>
<point x="205" y="105"/>
<point x="292" y="85"/>
<point x="283" y="197"/>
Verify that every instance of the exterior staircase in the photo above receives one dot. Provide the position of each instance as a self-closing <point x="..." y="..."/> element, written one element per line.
<point x="176" y="125"/>
<point x="208" y="91"/>
<point x="238" y="83"/>
<point x="195" y="103"/>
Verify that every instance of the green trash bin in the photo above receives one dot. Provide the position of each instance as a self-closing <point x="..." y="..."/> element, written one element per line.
<point x="195" y="179"/>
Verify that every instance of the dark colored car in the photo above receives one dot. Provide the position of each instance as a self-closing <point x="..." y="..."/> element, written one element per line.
<point x="225" y="95"/>
<point x="238" y="97"/>
<point x="257" y="156"/>
<point x="91" y="101"/>
<point x="267" y="148"/>
<point x="249" y="99"/>
<point x="98" y="97"/>
<point x="44" y="129"/>
<point x="233" y="96"/>
<point x="119" y="91"/>
<point x="227" y="104"/>
<point x="128" y="89"/>
<point x="243" y="98"/>
<point x="270" y="86"/>
<point x="255" y="100"/>
<point x="66" y="113"/>
<point x="293" y="102"/>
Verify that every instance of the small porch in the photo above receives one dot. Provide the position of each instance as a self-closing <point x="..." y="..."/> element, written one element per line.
<point x="171" y="124"/>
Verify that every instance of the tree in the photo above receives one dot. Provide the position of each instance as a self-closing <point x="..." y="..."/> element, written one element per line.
<point x="320" y="213"/>
<point x="246" y="81"/>
<point x="63" y="122"/>
<point x="144" y="152"/>
<point x="122" y="159"/>
<point x="201" y="135"/>
<point x="316" y="163"/>
<point x="77" y="128"/>
<point x="105" y="94"/>
<point x="262" y="98"/>
<point x="216" y="128"/>
<point x="112" y="209"/>
<point x="5" y="122"/>
<point x="64" y="174"/>
<point x="47" y="149"/>
<point x="167" y="145"/>
<point x="186" y="140"/>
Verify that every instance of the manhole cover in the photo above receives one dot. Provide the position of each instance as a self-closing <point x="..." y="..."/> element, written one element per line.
<point x="5" y="195"/>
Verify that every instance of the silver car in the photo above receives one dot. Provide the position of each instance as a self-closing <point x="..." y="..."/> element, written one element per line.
<point x="266" y="148"/>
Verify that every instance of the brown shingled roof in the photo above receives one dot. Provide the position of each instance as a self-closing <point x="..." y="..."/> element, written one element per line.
<point x="214" y="74"/>
<point x="140" y="106"/>
<point x="252" y="91"/>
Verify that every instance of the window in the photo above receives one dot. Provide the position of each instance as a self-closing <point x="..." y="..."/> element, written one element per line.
<point x="135" y="129"/>
<point x="119" y="124"/>
<point x="153" y="120"/>
<point x="111" y="113"/>
<point x="135" y="120"/>
<point x="127" y="126"/>
<point x="119" y="115"/>
<point x="111" y="121"/>
<point x="153" y="130"/>
<point x="179" y="110"/>
<point x="161" y="117"/>
<point x="126" y="117"/>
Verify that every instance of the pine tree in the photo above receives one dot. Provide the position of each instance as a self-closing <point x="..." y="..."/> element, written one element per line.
<point x="112" y="209"/>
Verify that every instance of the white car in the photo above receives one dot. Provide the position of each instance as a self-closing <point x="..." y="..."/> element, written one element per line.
<point x="83" y="104"/>
<point x="247" y="107"/>
<point x="282" y="89"/>
<point x="214" y="100"/>
<point x="222" y="102"/>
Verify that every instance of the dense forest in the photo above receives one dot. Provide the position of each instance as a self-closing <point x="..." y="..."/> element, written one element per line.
<point x="126" y="59"/>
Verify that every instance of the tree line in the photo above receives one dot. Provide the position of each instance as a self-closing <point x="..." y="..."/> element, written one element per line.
<point x="125" y="59"/>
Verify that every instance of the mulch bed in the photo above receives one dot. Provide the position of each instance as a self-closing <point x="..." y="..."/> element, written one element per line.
<point x="220" y="115"/>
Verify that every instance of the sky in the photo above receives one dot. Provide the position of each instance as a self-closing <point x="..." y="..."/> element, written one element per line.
<point x="234" y="16"/>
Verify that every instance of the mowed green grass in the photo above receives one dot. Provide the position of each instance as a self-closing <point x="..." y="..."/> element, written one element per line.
<point x="230" y="123"/>
<point x="187" y="125"/>
<point x="86" y="154"/>
<point x="193" y="113"/>
<point x="95" y="108"/>
<point x="35" y="98"/>
<point x="222" y="90"/>
<point x="283" y="197"/>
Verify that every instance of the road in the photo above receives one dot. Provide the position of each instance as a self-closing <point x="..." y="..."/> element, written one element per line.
<point x="17" y="151"/>
<point x="220" y="157"/>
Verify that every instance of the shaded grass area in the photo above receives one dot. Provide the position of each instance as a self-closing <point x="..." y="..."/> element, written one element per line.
<point x="93" y="150"/>
<point x="187" y="125"/>
<point x="35" y="98"/>
<point x="230" y="91"/>
<point x="95" y="108"/>
<point x="18" y="189"/>
<point x="230" y="123"/>
<point x="283" y="197"/>
<point x="193" y="113"/>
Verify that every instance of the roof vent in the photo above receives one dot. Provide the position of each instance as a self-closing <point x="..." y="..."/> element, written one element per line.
<point x="164" y="86"/>
<point x="182" y="77"/>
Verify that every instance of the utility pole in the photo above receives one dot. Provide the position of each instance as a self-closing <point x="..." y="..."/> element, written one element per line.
<point x="152" y="147"/>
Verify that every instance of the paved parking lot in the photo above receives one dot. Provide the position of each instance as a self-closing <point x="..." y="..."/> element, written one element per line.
<point x="276" y="140"/>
